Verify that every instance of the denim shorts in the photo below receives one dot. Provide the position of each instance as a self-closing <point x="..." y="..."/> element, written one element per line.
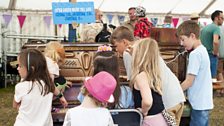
<point x="199" y="118"/>
<point x="213" y="65"/>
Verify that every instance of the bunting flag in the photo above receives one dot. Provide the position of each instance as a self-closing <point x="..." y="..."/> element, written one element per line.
<point x="160" y="22"/>
<point x="185" y="18"/>
<point x="47" y="20"/>
<point x="205" y="23"/>
<point x="154" y="21"/>
<point x="21" y="19"/>
<point x="110" y="17"/>
<point x="121" y="18"/>
<point x="175" y="21"/>
<point x="60" y="25"/>
<point x="7" y="19"/>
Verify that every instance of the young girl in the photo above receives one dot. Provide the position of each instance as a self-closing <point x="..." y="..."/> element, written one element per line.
<point x="146" y="82"/>
<point x="106" y="60"/>
<point x="98" y="91"/>
<point x="55" y="55"/>
<point x="33" y="95"/>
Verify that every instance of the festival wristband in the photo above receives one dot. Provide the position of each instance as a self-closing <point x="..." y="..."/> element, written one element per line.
<point x="59" y="95"/>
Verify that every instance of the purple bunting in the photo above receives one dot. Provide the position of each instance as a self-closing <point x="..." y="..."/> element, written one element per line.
<point x="47" y="20"/>
<point x="7" y="19"/>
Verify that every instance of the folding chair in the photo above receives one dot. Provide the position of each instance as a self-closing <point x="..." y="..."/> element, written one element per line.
<point x="126" y="117"/>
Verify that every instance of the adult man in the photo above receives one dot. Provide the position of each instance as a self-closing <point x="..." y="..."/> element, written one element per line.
<point x="130" y="24"/>
<point x="90" y="31"/>
<point x="195" y="17"/>
<point x="210" y="36"/>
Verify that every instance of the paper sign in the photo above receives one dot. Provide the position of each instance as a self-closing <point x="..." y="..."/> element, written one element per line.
<point x="67" y="13"/>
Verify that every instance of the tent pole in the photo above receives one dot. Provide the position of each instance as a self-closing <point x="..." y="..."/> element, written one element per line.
<point x="12" y="4"/>
<point x="207" y="7"/>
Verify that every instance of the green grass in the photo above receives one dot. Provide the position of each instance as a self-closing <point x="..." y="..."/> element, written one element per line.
<point x="8" y="114"/>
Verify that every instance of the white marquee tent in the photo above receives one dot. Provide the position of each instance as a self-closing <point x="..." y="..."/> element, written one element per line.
<point x="204" y="7"/>
<point x="36" y="11"/>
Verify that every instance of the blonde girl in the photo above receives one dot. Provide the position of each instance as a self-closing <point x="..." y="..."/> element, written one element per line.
<point x="146" y="82"/>
<point x="55" y="54"/>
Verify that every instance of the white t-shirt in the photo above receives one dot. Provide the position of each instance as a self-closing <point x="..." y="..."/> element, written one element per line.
<point x="127" y="63"/>
<point x="80" y="116"/>
<point x="35" y="109"/>
<point x="52" y="66"/>
<point x="171" y="89"/>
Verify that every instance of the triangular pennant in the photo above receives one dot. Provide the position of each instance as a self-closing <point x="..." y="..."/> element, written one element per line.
<point x="7" y="19"/>
<point x="205" y="23"/>
<point x="154" y="21"/>
<point x="121" y="19"/>
<point x="110" y="17"/>
<point x="160" y="22"/>
<point x="175" y="21"/>
<point x="21" y="19"/>
<point x="47" y="20"/>
<point x="185" y="18"/>
<point x="60" y="25"/>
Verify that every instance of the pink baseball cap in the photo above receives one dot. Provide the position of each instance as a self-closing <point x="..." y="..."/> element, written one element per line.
<point x="101" y="86"/>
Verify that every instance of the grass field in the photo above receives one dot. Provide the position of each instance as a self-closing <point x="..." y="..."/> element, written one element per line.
<point x="8" y="114"/>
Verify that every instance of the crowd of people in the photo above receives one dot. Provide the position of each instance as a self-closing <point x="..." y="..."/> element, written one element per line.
<point x="153" y="88"/>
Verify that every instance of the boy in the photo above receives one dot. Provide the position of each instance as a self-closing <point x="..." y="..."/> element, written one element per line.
<point x="122" y="38"/>
<point x="198" y="80"/>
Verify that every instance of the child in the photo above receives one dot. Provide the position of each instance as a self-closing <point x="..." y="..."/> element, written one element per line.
<point x="198" y="80"/>
<point x="146" y="82"/>
<point x="173" y="97"/>
<point x="122" y="39"/>
<point x="98" y="91"/>
<point x="106" y="60"/>
<point x="33" y="95"/>
<point x="55" y="54"/>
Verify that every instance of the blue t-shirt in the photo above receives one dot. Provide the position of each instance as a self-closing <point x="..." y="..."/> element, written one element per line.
<point x="200" y="94"/>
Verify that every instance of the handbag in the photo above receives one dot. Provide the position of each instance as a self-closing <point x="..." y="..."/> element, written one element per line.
<point x="171" y="121"/>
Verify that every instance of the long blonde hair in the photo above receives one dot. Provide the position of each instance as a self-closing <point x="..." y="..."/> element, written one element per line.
<point x="145" y="58"/>
<point x="55" y="51"/>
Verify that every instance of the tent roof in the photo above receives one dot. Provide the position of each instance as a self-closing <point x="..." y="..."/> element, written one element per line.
<point x="185" y="7"/>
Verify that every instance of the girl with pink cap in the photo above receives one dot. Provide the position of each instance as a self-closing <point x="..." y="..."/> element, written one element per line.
<point x="98" y="91"/>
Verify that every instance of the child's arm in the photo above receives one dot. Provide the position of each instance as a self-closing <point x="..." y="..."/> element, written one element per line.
<point x="188" y="82"/>
<point x="61" y="97"/>
<point x="142" y="84"/>
<point x="16" y="104"/>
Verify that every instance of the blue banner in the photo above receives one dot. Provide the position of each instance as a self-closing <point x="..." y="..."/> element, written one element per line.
<point x="67" y="13"/>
